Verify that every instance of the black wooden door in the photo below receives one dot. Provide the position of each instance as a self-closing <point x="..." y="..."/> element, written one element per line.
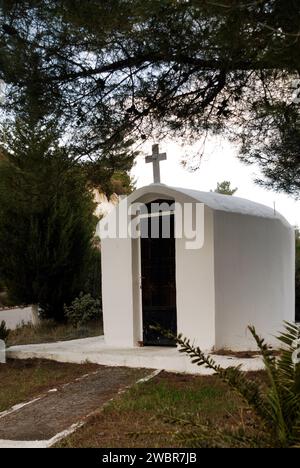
<point x="158" y="285"/>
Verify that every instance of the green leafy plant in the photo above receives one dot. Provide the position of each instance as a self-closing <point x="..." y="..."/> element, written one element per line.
<point x="278" y="405"/>
<point x="4" y="332"/>
<point x="84" y="309"/>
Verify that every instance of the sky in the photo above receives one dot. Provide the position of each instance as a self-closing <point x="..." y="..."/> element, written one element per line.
<point x="219" y="162"/>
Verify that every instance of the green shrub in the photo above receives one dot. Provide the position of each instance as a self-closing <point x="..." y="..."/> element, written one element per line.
<point x="83" y="310"/>
<point x="4" y="332"/>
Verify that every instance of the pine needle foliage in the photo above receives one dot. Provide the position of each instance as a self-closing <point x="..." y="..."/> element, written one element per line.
<point x="47" y="221"/>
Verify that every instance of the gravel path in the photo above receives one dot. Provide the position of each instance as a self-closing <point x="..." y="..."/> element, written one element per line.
<point x="57" y="411"/>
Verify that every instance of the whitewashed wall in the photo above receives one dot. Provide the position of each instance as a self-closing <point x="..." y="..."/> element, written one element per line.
<point x="121" y="286"/>
<point x="244" y="274"/>
<point x="117" y="292"/>
<point x="15" y="317"/>
<point x="254" y="278"/>
<point x="195" y="288"/>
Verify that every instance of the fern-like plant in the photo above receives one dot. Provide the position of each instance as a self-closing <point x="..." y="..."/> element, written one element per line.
<point x="278" y="406"/>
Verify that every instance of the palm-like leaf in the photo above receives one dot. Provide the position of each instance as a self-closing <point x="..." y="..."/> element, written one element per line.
<point x="278" y="406"/>
<point x="233" y="376"/>
<point x="273" y="397"/>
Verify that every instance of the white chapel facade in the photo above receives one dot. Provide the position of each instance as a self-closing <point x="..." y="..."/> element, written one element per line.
<point x="243" y="274"/>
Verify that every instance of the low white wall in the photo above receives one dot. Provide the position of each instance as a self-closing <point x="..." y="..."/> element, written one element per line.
<point x="15" y="317"/>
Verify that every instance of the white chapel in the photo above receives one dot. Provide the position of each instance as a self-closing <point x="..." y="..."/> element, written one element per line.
<point x="241" y="271"/>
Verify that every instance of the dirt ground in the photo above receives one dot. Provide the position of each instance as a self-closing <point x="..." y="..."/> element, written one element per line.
<point x="140" y="418"/>
<point x="22" y="380"/>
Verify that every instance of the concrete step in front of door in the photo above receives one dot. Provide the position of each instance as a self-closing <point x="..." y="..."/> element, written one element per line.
<point x="95" y="350"/>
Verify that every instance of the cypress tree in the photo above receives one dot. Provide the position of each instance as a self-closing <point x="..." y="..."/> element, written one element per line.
<point x="46" y="219"/>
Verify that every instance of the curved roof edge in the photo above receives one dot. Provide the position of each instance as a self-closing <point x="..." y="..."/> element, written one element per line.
<point x="215" y="201"/>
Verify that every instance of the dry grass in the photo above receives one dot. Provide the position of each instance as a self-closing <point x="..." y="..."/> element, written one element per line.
<point x="49" y="332"/>
<point x="139" y="418"/>
<point x="241" y="354"/>
<point x="23" y="380"/>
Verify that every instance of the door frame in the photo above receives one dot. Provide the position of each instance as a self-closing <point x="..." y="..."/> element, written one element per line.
<point x="140" y="318"/>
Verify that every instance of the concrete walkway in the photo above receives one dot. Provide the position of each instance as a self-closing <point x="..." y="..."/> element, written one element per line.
<point x="95" y="350"/>
<point x="45" y="420"/>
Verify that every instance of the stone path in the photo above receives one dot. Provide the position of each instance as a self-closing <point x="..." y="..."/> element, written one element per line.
<point x="56" y="411"/>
